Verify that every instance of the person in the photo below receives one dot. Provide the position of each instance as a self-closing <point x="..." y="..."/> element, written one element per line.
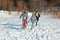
<point x="24" y="23"/>
<point x="37" y="15"/>
<point x="33" y="20"/>
<point x="24" y="14"/>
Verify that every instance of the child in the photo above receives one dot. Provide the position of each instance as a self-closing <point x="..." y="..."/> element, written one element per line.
<point x="24" y="17"/>
<point x="24" y="22"/>
<point x="33" y="20"/>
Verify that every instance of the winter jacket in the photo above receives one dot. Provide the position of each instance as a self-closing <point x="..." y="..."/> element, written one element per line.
<point x="33" y="19"/>
<point x="23" y="15"/>
<point x="37" y="15"/>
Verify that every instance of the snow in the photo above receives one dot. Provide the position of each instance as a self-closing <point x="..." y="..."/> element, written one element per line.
<point x="3" y="13"/>
<point x="48" y="28"/>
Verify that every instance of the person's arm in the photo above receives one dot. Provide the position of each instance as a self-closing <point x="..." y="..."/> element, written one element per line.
<point x="21" y="15"/>
<point x="27" y="17"/>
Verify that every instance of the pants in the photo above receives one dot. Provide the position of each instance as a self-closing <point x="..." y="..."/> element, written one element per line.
<point x="37" y="20"/>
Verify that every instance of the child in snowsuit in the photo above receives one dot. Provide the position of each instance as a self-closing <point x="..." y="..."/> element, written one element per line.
<point x="24" y="23"/>
<point x="33" y="20"/>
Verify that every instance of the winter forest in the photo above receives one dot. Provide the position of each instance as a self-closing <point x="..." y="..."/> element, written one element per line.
<point x="29" y="19"/>
<point x="52" y="6"/>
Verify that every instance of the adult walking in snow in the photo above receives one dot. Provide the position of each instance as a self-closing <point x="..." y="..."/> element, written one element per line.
<point x="37" y="15"/>
<point x="24" y="16"/>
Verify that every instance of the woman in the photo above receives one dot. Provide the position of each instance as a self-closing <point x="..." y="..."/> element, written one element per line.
<point x="37" y="15"/>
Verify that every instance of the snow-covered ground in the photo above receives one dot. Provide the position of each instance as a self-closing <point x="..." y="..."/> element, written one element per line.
<point x="11" y="28"/>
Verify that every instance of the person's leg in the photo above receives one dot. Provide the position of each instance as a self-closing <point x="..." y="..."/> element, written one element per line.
<point x="37" y="20"/>
<point x="36" y="23"/>
<point x="32" y="25"/>
<point x="23" y="25"/>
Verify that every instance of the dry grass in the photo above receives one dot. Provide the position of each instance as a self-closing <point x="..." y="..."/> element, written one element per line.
<point x="56" y="15"/>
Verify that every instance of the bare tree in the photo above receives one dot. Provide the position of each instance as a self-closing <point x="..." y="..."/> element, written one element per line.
<point x="20" y="6"/>
<point x="4" y="4"/>
<point x="37" y="4"/>
<point x="10" y="6"/>
<point x="0" y="4"/>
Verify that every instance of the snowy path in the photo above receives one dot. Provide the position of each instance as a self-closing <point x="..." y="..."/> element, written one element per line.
<point x="48" y="29"/>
